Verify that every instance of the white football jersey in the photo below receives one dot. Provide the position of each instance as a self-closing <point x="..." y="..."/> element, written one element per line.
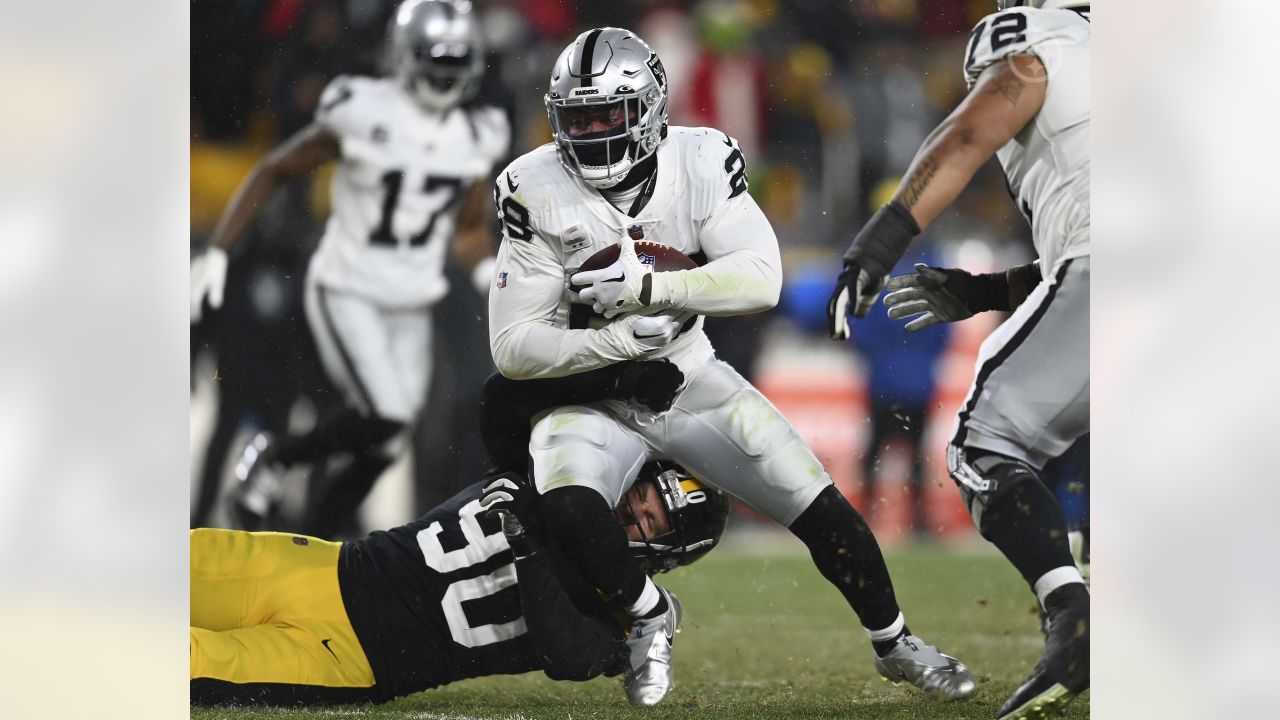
<point x="552" y="222"/>
<point x="403" y="174"/>
<point x="1047" y="164"/>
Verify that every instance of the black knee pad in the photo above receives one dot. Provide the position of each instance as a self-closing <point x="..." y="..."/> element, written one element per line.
<point x="983" y="477"/>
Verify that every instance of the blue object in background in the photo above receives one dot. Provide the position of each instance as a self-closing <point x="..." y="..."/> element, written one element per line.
<point x="900" y="365"/>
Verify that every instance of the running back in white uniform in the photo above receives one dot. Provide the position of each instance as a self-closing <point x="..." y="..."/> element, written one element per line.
<point x="725" y="431"/>
<point x="552" y="222"/>
<point x="1047" y="164"/>
<point x="395" y="195"/>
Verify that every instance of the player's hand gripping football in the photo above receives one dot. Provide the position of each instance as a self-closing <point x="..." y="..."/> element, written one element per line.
<point x="510" y="496"/>
<point x="930" y="296"/>
<point x="619" y="288"/>
<point x="208" y="277"/>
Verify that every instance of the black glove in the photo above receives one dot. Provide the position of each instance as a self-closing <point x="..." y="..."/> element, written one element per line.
<point x="871" y="255"/>
<point x="938" y="295"/>
<point x="510" y="496"/>
<point x="653" y="383"/>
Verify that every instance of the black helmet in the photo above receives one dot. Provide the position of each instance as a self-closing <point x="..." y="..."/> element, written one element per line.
<point x="698" y="516"/>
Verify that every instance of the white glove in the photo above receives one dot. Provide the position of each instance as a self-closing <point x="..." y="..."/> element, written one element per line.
<point x="646" y="334"/>
<point x="615" y="289"/>
<point x="208" y="277"/>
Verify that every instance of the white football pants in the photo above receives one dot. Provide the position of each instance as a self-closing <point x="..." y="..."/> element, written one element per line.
<point x="720" y="428"/>
<point x="379" y="357"/>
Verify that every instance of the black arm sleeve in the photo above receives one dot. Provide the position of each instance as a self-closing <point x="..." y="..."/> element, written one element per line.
<point x="507" y="408"/>
<point x="570" y="645"/>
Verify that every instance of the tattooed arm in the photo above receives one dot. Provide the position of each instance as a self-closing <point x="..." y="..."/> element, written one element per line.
<point x="1005" y="98"/>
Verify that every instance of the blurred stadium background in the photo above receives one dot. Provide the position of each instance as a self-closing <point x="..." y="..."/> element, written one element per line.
<point x="829" y="101"/>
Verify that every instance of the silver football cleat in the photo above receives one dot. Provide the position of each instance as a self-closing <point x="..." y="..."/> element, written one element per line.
<point x="258" y="488"/>
<point x="649" y="677"/>
<point x="940" y="676"/>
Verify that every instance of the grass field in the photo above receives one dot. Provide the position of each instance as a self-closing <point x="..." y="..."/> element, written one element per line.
<point x="766" y="637"/>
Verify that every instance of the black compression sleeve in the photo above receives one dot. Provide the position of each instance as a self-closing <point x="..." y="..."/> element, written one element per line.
<point x="507" y="408"/>
<point x="882" y="241"/>
<point x="570" y="645"/>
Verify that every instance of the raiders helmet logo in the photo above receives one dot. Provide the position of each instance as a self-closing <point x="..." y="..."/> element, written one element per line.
<point x="655" y="66"/>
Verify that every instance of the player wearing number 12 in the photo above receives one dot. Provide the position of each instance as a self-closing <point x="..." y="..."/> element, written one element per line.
<point x="412" y="154"/>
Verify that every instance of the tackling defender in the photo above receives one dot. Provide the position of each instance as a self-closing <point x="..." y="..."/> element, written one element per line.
<point x="412" y="160"/>
<point x="282" y="619"/>
<point x="1028" y="69"/>
<point x="285" y="619"/>
<point x="617" y="172"/>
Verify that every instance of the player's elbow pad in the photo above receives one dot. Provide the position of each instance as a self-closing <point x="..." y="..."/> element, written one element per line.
<point x="504" y="358"/>
<point x="769" y="291"/>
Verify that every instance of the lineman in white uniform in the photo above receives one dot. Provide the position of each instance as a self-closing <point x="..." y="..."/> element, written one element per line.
<point x="413" y="162"/>
<point x="615" y="173"/>
<point x="1028" y="70"/>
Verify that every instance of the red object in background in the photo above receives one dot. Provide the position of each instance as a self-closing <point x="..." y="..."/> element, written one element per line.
<point x="280" y="18"/>
<point x="829" y="409"/>
<point x="551" y="19"/>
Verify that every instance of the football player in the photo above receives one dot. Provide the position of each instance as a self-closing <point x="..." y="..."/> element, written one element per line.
<point x="285" y="619"/>
<point x="411" y="156"/>
<point x="1028" y="71"/>
<point x="617" y="173"/>
<point x="467" y="590"/>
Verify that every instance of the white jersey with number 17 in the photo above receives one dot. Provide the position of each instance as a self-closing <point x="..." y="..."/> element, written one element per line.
<point x="1047" y="164"/>
<point x="395" y="195"/>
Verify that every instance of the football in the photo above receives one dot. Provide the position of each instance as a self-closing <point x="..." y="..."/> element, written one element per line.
<point x="658" y="257"/>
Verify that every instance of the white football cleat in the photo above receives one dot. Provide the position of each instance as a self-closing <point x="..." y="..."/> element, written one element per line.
<point x="649" y="677"/>
<point x="940" y="676"/>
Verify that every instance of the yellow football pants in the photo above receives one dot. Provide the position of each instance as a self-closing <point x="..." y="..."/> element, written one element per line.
<point x="266" y="608"/>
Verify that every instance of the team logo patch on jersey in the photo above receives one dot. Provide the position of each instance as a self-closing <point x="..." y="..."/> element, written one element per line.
<point x="636" y="232"/>
<point x="502" y="280"/>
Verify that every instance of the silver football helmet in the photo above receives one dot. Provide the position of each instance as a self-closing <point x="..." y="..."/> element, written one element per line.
<point x="1006" y="4"/>
<point x="607" y="104"/>
<point x="435" y="49"/>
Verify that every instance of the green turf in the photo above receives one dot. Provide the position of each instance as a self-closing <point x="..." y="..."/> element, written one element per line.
<point x="766" y="637"/>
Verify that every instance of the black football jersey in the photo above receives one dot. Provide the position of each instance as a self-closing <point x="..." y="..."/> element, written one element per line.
<point x="436" y="600"/>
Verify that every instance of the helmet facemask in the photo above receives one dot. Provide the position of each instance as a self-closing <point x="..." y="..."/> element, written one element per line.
<point x="697" y="515"/>
<point x="441" y="76"/>
<point x="601" y="138"/>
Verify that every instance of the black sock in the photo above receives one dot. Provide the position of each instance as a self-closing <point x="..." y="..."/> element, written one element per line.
<point x="848" y="556"/>
<point x="348" y="431"/>
<point x="1027" y="525"/>
<point x="578" y="520"/>
<point x="343" y="497"/>
<point x="883" y="647"/>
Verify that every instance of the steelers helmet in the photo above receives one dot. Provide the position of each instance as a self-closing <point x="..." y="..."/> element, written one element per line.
<point x="1006" y="4"/>
<point x="698" y="516"/>
<point x="435" y="49"/>
<point x="607" y="104"/>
